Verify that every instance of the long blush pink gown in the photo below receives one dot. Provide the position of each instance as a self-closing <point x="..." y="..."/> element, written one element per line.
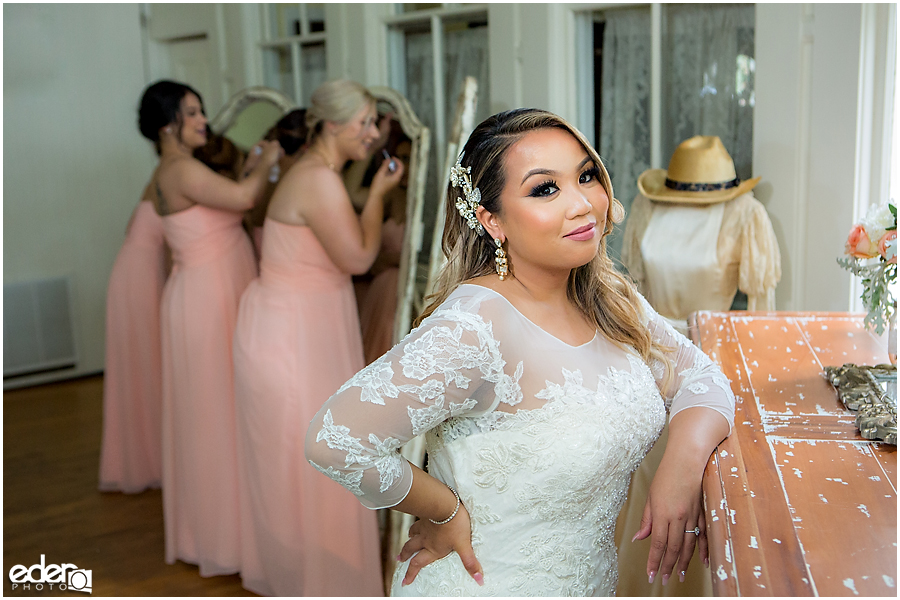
<point x="213" y="262"/>
<point x="297" y="340"/>
<point x="131" y="453"/>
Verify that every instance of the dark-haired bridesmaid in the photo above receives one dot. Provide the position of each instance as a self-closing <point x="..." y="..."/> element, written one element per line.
<point x="212" y="263"/>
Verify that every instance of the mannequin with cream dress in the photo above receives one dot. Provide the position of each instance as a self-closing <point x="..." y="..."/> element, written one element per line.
<point x="694" y="237"/>
<point x="693" y="250"/>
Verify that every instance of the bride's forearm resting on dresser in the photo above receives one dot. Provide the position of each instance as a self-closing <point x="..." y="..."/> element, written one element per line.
<point x="694" y="434"/>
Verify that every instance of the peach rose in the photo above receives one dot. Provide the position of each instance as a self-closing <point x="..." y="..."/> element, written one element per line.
<point x="887" y="247"/>
<point x="859" y="245"/>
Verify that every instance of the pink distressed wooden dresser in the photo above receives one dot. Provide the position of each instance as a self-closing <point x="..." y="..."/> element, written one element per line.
<point x="797" y="502"/>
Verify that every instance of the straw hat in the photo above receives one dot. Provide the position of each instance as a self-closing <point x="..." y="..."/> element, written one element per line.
<point x="701" y="172"/>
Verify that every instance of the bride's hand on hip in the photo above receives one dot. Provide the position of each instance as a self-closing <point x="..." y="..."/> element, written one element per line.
<point x="429" y="542"/>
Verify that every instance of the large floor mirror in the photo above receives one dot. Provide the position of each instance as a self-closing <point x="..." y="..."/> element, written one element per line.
<point x="409" y="294"/>
<point x="249" y="114"/>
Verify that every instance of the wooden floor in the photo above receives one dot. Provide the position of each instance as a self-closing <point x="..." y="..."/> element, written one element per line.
<point x="51" y="506"/>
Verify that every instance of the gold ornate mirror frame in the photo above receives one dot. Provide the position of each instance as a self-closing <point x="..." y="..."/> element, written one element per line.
<point x="409" y="294"/>
<point x="871" y="393"/>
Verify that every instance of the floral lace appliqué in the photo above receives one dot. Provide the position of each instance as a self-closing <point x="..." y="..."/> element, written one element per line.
<point x="375" y="381"/>
<point x="383" y="455"/>
<point x="349" y="480"/>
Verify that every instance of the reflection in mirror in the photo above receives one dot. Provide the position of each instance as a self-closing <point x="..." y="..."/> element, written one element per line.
<point x="245" y="120"/>
<point x="410" y="285"/>
<point x="249" y="114"/>
<point x="376" y="290"/>
<point x="410" y="282"/>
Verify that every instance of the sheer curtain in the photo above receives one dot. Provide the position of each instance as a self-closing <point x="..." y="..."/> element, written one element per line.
<point x="465" y="53"/>
<point x="420" y="93"/>
<point x="625" y="108"/>
<point x="708" y="78"/>
<point x="707" y="88"/>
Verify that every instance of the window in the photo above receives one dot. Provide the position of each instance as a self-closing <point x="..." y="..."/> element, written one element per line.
<point x="433" y="47"/>
<point x="293" y="49"/>
<point x="653" y="76"/>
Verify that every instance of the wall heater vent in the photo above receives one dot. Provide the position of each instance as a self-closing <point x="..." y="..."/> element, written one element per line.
<point x="37" y="326"/>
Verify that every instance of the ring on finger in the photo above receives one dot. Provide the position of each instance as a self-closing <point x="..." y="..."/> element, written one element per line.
<point x="695" y="530"/>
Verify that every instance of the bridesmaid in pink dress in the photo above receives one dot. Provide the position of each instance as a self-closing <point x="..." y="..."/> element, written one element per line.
<point x="130" y="455"/>
<point x="212" y="263"/>
<point x="290" y="132"/>
<point x="296" y="342"/>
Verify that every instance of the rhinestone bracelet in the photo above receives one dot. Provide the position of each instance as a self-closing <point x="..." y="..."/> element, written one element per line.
<point x="455" y="510"/>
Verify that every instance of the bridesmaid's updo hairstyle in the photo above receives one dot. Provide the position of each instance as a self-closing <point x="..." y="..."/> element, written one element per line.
<point x="161" y="106"/>
<point x="336" y="101"/>
<point x="601" y="293"/>
<point x="291" y="131"/>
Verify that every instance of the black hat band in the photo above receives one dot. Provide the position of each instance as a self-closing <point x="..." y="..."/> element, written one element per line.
<point x="680" y="186"/>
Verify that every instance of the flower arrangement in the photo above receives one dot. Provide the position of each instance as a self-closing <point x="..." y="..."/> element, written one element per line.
<point x="875" y="236"/>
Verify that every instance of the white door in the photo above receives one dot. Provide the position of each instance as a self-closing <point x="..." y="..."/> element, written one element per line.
<point x="179" y="42"/>
<point x="191" y="63"/>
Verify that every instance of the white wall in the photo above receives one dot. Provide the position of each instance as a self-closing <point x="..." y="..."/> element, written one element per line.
<point x="531" y="46"/>
<point x="74" y="164"/>
<point x="357" y="42"/>
<point x="189" y="43"/>
<point x="810" y="130"/>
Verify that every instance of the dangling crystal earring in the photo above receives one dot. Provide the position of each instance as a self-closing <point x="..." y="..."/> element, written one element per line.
<point x="500" y="259"/>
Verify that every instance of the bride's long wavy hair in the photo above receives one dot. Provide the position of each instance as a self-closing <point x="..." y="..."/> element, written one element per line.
<point x="601" y="293"/>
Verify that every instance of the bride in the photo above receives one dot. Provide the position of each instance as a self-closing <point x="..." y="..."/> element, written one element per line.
<point x="540" y="377"/>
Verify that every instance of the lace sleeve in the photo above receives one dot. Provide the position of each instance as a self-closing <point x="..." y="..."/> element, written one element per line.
<point x="698" y="381"/>
<point x="448" y="367"/>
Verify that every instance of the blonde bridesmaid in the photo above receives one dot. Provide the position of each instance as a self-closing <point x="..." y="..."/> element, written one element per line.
<point x="297" y="340"/>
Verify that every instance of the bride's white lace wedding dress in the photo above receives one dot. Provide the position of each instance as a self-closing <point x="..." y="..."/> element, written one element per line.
<point x="538" y="437"/>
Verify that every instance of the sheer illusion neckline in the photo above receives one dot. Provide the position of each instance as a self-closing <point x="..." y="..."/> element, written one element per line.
<point x="532" y="323"/>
